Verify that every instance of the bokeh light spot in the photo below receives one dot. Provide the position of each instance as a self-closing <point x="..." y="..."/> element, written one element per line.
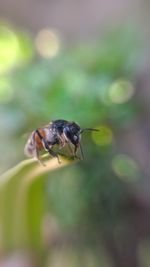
<point x="121" y="92"/>
<point x="104" y="137"/>
<point x="6" y="91"/>
<point x="125" y="167"/>
<point x="47" y="43"/>
<point x="9" y="47"/>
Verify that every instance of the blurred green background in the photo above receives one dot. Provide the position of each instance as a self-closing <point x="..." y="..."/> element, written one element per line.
<point x="93" y="212"/>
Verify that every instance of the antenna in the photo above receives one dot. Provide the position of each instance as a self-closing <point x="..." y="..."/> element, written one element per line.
<point x="89" y="129"/>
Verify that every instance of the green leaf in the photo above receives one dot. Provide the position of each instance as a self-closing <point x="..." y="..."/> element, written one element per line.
<point x="21" y="202"/>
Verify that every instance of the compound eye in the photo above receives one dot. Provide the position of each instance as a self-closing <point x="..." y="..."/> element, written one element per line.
<point x="75" y="137"/>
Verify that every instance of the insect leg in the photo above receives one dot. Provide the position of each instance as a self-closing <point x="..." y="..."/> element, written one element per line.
<point x="70" y="148"/>
<point x="61" y="140"/>
<point x="47" y="148"/>
<point x="37" y="157"/>
<point x="53" y="154"/>
<point x="82" y="154"/>
<point x="76" y="148"/>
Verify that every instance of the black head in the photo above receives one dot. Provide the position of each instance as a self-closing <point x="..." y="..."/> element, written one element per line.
<point x="72" y="131"/>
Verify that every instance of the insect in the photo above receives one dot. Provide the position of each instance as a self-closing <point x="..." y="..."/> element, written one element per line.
<point x="57" y="132"/>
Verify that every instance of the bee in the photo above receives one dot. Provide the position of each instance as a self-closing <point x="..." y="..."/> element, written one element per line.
<point x="57" y="132"/>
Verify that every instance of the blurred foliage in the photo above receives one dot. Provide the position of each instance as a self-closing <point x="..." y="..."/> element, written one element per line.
<point x="92" y="84"/>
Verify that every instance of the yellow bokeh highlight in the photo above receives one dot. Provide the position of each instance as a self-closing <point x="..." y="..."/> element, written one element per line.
<point x="9" y="47"/>
<point x="125" y="167"/>
<point x="120" y="92"/>
<point x="15" y="48"/>
<point x="47" y="43"/>
<point x="104" y="137"/>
